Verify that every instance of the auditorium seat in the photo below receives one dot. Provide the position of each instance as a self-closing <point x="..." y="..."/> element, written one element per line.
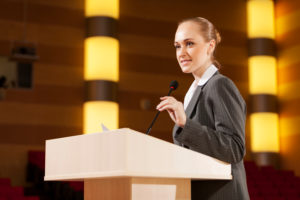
<point x="275" y="198"/>
<point x="8" y="192"/>
<point x="5" y="191"/>
<point x="52" y="190"/>
<point x="37" y="158"/>
<point x="257" y="198"/>
<point x="76" y="185"/>
<point x="280" y="183"/>
<point x="268" y="191"/>
<point x="288" y="192"/>
<point x="5" y="181"/>
<point x="253" y="192"/>
<point x="31" y="198"/>
<point x="267" y="183"/>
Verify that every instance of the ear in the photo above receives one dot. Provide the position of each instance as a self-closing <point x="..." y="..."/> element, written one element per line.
<point x="211" y="47"/>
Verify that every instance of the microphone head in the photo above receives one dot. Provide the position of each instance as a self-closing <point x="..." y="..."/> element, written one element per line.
<point x="174" y="85"/>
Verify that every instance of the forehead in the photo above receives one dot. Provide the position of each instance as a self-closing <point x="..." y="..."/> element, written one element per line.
<point x="187" y="30"/>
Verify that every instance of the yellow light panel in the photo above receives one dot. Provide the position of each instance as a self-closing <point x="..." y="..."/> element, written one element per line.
<point x="260" y="18"/>
<point x="108" y="8"/>
<point x="264" y="132"/>
<point x="262" y="75"/>
<point x="97" y="112"/>
<point x="101" y="59"/>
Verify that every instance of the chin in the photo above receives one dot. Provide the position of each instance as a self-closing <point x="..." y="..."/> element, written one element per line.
<point x="185" y="70"/>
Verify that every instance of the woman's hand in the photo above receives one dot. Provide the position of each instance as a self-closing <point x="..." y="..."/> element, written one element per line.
<point x="175" y="109"/>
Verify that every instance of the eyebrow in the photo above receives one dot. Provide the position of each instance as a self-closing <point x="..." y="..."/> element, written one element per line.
<point x="183" y="40"/>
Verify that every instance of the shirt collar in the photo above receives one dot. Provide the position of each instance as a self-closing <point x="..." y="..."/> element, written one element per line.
<point x="207" y="74"/>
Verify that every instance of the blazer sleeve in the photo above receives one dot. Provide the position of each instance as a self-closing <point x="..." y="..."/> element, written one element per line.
<point x="226" y="141"/>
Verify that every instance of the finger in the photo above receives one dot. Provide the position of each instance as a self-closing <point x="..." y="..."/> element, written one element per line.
<point x="162" y="103"/>
<point x="165" y="102"/>
<point x="172" y="114"/>
<point x="167" y="97"/>
<point x="164" y="98"/>
<point x="167" y="106"/>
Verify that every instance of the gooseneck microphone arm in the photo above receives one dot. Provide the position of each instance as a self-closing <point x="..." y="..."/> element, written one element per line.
<point x="173" y="86"/>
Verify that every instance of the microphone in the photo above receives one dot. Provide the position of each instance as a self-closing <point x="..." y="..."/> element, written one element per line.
<point x="173" y="86"/>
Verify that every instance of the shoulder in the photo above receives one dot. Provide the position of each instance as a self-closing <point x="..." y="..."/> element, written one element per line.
<point x="219" y="81"/>
<point x="222" y="87"/>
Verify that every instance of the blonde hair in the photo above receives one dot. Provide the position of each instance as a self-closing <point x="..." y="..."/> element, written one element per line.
<point x="208" y="32"/>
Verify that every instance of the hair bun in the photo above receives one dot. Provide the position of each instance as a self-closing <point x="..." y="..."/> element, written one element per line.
<point x="218" y="36"/>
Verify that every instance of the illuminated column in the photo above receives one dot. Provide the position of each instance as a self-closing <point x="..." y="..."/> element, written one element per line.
<point x="263" y="82"/>
<point x="101" y="65"/>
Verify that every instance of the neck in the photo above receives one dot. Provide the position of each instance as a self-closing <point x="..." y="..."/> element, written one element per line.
<point x="199" y="73"/>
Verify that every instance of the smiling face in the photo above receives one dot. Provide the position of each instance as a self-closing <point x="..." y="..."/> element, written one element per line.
<point x="192" y="51"/>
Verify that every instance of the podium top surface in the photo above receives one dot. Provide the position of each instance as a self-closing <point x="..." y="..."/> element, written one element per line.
<point x="127" y="153"/>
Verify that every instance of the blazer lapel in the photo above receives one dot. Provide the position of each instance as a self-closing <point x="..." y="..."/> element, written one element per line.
<point x="193" y="101"/>
<point x="189" y="109"/>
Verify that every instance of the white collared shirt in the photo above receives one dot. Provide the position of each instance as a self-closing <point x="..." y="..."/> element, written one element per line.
<point x="204" y="78"/>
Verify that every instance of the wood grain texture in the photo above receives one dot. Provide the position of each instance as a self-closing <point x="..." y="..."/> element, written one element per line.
<point x="53" y="107"/>
<point x="288" y="91"/>
<point x="289" y="74"/>
<point x="177" y="10"/>
<point x="41" y="13"/>
<point x="288" y="39"/>
<point x="69" y="4"/>
<point x="22" y="134"/>
<point x="40" y="114"/>
<point x="149" y="64"/>
<point x="45" y="95"/>
<point x="289" y="151"/>
<point x="108" y="189"/>
<point x="285" y="7"/>
<point x="58" y="75"/>
<point x="289" y="125"/>
<point x="288" y="56"/>
<point x="46" y="34"/>
<point x="288" y="29"/>
<point x="287" y="23"/>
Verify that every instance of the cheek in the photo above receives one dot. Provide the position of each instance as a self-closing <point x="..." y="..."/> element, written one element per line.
<point x="201" y="53"/>
<point x="177" y="54"/>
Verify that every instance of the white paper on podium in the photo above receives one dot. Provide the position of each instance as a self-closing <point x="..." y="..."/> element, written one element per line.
<point x="104" y="128"/>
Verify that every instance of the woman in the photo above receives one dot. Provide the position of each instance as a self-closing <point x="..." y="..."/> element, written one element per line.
<point x="212" y="119"/>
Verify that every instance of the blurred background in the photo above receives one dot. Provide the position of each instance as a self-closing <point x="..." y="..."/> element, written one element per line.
<point x="42" y="83"/>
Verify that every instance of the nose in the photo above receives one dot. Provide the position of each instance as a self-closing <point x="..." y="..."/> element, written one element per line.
<point x="181" y="53"/>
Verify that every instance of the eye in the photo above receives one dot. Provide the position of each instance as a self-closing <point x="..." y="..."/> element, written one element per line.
<point x="189" y="43"/>
<point x="177" y="46"/>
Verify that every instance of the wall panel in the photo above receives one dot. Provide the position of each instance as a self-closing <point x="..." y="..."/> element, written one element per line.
<point x="288" y="29"/>
<point x="52" y="108"/>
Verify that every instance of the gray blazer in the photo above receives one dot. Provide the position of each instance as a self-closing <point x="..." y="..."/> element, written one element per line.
<point x="215" y="126"/>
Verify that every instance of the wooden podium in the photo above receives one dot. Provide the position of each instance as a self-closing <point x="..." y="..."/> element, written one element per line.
<point x="127" y="165"/>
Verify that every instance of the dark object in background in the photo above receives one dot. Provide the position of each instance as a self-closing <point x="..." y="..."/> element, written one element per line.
<point x="49" y="190"/>
<point x="24" y="71"/>
<point x="2" y="82"/>
<point x="23" y="52"/>
<point x="3" y="86"/>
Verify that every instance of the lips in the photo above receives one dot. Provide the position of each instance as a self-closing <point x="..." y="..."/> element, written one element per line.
<point x="185" y="62"/>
